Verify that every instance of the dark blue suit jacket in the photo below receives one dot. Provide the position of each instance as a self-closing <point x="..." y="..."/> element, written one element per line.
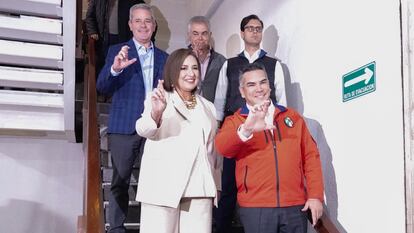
<point x="127" y="89"/>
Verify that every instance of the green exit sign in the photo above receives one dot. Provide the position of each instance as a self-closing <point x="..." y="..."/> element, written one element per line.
<point x="359" y="82"/>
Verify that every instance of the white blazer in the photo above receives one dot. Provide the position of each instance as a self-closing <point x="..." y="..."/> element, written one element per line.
<point x="171" y="149"/>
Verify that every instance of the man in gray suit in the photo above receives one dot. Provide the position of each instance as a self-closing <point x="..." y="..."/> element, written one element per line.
<point x="199" y="39"/>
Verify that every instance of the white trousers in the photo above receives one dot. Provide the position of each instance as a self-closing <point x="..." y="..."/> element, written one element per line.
<point x="192" y="215"/>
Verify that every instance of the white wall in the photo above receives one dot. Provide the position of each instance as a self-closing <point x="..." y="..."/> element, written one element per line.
<point x="172" y="17"/>
<point x="41" y="185"/>
<point x="361" y="141"/>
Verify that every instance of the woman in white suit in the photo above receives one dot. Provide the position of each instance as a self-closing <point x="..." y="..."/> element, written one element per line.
<point x="179" y="175"/>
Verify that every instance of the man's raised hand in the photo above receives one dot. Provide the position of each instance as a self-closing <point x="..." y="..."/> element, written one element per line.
<point x="255" y="121"/>
<point x="121" y="60"/>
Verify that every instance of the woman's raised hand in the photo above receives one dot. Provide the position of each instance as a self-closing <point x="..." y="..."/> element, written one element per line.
<point x="158" y="101"/>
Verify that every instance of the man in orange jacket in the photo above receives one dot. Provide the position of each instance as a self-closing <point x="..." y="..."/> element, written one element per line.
<point x="278" y="169"/>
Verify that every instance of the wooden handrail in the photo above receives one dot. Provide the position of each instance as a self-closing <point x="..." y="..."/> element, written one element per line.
<point x="93" y="211"/>
<point x="325" y="225"/>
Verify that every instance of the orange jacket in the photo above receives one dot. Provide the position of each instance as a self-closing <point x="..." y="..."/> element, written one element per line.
<point x="273" y="170"/>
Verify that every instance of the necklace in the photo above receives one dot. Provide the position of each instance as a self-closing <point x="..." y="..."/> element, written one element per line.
<point x="190" y="104"/>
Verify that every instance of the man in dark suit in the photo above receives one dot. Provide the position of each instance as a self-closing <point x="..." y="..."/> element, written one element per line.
<point x="107" y="23"/>
<point x="199" y="38"/>
<point x="131" y="71"/>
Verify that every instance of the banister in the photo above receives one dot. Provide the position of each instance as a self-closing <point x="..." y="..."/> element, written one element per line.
<point x="325" y="225"/>
<point x="93" y="211"/>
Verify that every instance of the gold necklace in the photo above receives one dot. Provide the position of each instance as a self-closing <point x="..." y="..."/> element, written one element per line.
<point x="190" y="104"/>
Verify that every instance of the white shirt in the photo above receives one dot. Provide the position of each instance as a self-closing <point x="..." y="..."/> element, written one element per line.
<point x="204" y="66"/>
<point x="222" y="84"/>
<point x="146" y="58"/>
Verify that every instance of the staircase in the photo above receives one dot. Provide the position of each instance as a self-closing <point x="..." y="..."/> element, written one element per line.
<point x="37" y="68"/>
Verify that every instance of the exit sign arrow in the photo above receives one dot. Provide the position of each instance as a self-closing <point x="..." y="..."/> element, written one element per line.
<point x="358" y="82"/>
<point x="366" y="76"/>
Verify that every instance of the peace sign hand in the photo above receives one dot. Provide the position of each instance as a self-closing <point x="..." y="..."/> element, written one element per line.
<point x="121" y="60"/>
<point x="158" y="102"/>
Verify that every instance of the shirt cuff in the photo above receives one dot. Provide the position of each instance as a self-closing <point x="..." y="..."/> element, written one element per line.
<point x="114" y="73"/>
<point x="242" y="136"/>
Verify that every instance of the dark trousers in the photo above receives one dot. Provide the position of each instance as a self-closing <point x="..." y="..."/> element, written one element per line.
<point x="274" y="220"/>
<point x="223" y="215"/>
<point x="125" y="149"/>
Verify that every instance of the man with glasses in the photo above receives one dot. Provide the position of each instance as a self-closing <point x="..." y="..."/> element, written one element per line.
<point x="228" y="100"/>
<point x="199" y="38"/>
<point x="132" y="69"/>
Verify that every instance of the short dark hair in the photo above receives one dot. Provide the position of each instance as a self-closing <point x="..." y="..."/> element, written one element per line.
<point x="172" y="68"/>
<point x="251" y="67"/>
<point x="247" y="19"/>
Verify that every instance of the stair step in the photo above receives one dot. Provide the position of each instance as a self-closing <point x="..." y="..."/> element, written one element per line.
<point x="48" y="8"/>
<point x="106" y="158"/>
<point x="130" y="203"/>
<point x="32" y="121"/>
<point x="103" y="119"/>
<point x="128" y="226"/>
<point x="108" y="184"/>
<point x="107" y="175"/>
<point x="31" y="54"/>
<point x="104" y="140"/>
<point x="134" y="228"/>
<point x="103" y="130"/>
<point x="106" y="155"/>
<point x="105" y="184"/>
<point x="28" y="99"/>
<point x="103" y="108"/>
<point x="31" y="28"/>
<point x="31" y="78"/>
<point x="132" y="191"/>
<point x="134" y="212"/>
<point x="31" y="111"/>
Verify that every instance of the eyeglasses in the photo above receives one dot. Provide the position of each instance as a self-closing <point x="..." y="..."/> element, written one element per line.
<point x="253" y="29"/>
